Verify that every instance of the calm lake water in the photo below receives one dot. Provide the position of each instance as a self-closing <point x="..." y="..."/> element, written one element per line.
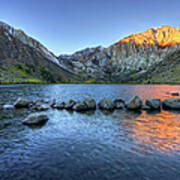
<point x="89" y="146"/>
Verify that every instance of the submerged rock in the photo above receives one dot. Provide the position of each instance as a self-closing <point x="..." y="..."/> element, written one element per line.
<point x="134" y="103"/>
<point x="106" y="104"/>
<point x="119" y="104"/>
<point x="23" y="103"/>
<point x="172" y="103"/>
<point x="153" y="103"/>
<point x="36" y="119"/>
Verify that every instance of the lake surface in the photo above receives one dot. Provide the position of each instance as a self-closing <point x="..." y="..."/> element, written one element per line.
<point x="94" y="145"/>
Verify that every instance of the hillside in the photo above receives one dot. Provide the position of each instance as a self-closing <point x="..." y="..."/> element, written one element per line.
<point x="146" y="57"/>
<point x="23" y="59"/>
<point x="133" y="55"/>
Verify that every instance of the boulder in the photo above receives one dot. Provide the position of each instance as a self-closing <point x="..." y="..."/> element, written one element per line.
<point x="36" y="119"/>
<point x="60" y="105"/>
<point x="153" y="103"/>
<point x="40" y="105"/>
<point x="106" y="104"/>
<point x="172" y="103"/>
<point x="23" y="103"/>
<point x="144" y="107"/>
<point x="134" y="103"/>
<point x="119" y="103"/>
<point x="90" y="103"/>
<point x="80" y="106"/>
<point x="69" y="105"/>
<point x="174" y="94"/>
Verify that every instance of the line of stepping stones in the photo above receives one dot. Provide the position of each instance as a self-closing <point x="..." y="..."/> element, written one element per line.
<point x="134" y="103"/>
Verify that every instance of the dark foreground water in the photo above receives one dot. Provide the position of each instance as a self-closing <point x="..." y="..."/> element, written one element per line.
<point x="89" y="146"/>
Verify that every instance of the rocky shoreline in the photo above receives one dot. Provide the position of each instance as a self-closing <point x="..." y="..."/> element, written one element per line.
<point x="134" y="103"/>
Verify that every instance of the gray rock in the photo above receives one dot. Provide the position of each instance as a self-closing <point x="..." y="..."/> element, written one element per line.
<point x="153" y="103"/>
<point x="174" y="94"/>
<point x="69" y="105"/>
<point x="144" y="107"/>
<point x="52" y="103"/>
<point x="119" y="104"/>
<point x="106" y="104"/>
<point x="172" y="103"/>
<point x="60" y="105"/>
<point x="8" y="106"/>
<point x="23" y="103"/>
<point x="134" y="103"/>
<point x="42" y="107"/>
<point x="36" y="119"/>
<point x="90" y="103"/>
<point x="80" y="106"/>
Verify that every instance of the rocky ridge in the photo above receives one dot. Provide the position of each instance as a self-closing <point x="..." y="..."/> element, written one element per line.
<point x="23" y="58"/>
<point x="134" y="54"/>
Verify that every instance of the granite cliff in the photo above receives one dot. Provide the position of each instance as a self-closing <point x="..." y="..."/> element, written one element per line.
<point x="139" y="57"/>
<point x="130" y="57"/>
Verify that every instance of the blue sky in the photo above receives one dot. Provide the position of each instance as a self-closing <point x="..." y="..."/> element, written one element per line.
<point x="65" y="26"/>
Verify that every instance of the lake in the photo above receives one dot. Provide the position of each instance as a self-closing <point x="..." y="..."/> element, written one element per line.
<point x="94" y="145"/>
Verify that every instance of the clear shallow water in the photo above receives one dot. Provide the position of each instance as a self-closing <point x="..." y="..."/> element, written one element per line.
<point x="94" y="145"/>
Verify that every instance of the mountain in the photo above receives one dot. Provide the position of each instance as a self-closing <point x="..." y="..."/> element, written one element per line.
<point x="151" y="56"/>
<point x="128" y="58"/>
<point x="23" y="59"/>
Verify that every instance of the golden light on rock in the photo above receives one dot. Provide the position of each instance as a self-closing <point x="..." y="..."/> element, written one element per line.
<point x="161" y="36"/>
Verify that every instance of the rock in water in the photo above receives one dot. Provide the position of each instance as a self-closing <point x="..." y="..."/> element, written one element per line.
<point x="174" y="94"/>
<point x="52" y="103"/>
<point x="144" y="107"/>
<point x="69" y="105"/>
<point x="23" y="103"/>
<point x="172" y="103"/>
<point x="119" y="103"/>
<point x="41" y="106"/>
<point x="59" y="105"/>
<point x="36" y="119"/>
<point x="134" y="103"/>
<point x="106" y="104"/>
<point x="153" y="103"/>
<point x="80" y="106"/>
<point x="90" y="103"/>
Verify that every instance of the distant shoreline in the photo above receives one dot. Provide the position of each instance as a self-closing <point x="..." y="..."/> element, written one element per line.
<point x="48" y="83"/>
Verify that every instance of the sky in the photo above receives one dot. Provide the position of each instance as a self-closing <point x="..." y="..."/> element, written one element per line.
<point x="66" y="26"/>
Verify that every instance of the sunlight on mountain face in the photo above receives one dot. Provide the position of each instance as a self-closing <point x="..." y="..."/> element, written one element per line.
<point x="161" y="36"/>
